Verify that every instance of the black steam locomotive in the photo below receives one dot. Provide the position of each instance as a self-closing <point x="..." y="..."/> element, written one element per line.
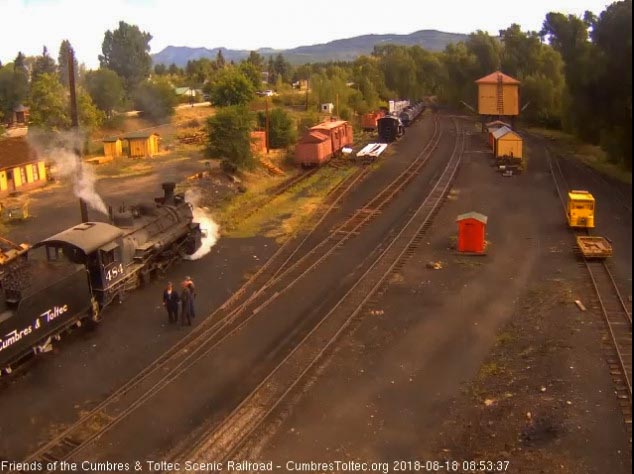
<point x="73" y="275"/>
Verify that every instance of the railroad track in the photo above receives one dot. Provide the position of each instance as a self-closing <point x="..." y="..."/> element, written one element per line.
<point x="222" y="442"/>
<point x="616" y="313"/>
<point x="224" y="322"/>
<point x="289" y="183"/>
<point x="113" y="409"/>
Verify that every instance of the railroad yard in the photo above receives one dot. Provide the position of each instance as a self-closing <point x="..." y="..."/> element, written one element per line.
<point x="345" y="343"/>
<point x="388" y="253"/>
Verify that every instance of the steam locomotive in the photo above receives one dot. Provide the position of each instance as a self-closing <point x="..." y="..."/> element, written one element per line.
<point x="71" y="276"/>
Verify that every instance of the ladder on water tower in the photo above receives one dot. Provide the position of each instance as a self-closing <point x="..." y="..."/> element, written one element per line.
<point x="500" y="95"/>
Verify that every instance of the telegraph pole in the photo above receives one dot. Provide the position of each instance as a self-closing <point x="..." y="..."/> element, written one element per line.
<point x="83" y="208"/>
<point x="267" y="125"/>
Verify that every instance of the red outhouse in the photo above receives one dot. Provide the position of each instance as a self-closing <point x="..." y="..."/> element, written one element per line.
<point x="471" y="232"/>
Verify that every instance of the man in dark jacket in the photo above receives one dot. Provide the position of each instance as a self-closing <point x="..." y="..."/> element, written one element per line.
<point x="170" y="301"/>
<point x="186" y="305"/>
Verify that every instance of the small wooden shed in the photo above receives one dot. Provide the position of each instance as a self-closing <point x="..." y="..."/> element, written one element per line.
<point x="21" y="115"/>
<point x="491" y="127"/>
<point x="112" y="147"/>
<point x="142" y="144"/>
<point x="472" y="232"/>
<point x="327" y="108"/>
<point x="507" y="143"/>
<point x="498" y="94"/>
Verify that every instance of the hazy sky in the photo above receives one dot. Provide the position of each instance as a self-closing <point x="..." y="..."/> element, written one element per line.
<point x="27" y="25"/>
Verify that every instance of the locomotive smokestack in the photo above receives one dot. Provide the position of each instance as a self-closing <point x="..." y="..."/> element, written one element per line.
<point x="168" y="190"/>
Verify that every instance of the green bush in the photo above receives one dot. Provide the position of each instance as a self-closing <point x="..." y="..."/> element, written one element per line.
<point x="229" y="133"/>
<point x="282" y="132"/>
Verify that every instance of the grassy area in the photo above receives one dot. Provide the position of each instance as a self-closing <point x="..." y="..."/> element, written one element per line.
<point x="566" y="144"/>
<point x="280" y="216"/>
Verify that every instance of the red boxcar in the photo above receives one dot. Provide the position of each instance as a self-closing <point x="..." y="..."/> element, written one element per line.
<point x="369" y="121"/>
<point x="322" y="141"/>
<point x="471" y="232"/>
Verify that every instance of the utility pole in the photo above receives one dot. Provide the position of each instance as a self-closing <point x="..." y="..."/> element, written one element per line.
<point x="267" y="125"/>
<point x="337" y="105"/>
<point x="83" y="208"/>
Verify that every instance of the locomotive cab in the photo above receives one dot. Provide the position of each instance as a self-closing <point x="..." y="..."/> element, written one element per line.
<point x="96" y="246"/>
<point x="580" y="209"/>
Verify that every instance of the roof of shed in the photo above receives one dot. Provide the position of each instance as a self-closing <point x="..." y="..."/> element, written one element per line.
<point x="497" y="123"/>
<point x="110" y="139"/>
<point x="503" y="131"/>
<point x="495" y="76"/>
<point x="15" y="152"/>
<point x="87" y="237"/>
<point x="137" y="135"/>
<point x="472" y="215"/>
<point x="21" y="108"/>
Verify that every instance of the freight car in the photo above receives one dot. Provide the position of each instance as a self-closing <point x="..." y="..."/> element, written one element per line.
<point x="411" y="113"/>
<point x="390" y="128"/>
<point x="322" y="142"/>
<point x="369" y="121"/>
<point x="71" y="276"/>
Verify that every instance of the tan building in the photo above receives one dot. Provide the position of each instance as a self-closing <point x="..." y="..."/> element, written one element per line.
<point x="498" y="95"/>
<point x="142" y="144"/>
<point x="507" y="144"/>
<point x="21" y="168"/>
<point x="112" y="147"/>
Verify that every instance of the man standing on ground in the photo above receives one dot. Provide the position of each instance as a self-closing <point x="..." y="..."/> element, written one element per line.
<point x="192" y="290"/>
<point x="186" y="305"/>
<point x="170" y="301"/>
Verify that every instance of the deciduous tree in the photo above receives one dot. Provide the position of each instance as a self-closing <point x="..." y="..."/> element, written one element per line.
<point x="126" y="51"/>
<point x="105" y="88"/>
<point x="231" y="87"/>
<point x="230" y="136"/>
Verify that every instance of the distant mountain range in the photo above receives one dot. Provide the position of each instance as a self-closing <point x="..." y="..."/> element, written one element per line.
<point x="338" y="50"/>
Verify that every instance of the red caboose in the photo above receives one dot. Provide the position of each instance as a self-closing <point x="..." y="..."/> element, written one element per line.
<point x="322" y="141"/>
<point x="472" y="232"/>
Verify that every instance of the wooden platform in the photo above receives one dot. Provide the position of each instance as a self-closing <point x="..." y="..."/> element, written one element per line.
<point x="594" y="247"/>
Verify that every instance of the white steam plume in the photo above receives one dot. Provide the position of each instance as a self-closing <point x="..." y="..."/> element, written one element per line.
<point x="69" y="167"/>
<point x="209" y="227"/>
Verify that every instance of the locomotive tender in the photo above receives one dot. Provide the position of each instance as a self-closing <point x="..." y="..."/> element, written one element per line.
<point x="73" y="275"/>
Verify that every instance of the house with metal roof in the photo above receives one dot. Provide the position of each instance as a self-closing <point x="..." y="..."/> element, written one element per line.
<point x="507" y="143"/>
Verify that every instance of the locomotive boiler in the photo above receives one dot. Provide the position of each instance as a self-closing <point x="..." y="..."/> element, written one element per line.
<point x="73" y="275"/>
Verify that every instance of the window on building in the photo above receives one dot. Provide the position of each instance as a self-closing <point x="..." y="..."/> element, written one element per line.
<point x="36" y="173"/>
<point x="23" y="174"/>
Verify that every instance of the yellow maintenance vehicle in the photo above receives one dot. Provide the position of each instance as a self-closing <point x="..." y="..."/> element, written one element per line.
<point x="580" y="210"/>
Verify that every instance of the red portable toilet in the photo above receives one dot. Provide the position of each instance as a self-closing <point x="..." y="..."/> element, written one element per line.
<point x="471" y="232"/>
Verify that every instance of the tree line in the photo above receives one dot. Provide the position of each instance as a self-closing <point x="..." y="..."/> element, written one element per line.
<point x="575" y="75"/>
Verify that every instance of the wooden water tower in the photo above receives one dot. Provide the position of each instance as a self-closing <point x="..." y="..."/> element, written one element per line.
<point x="498" y="97"/>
